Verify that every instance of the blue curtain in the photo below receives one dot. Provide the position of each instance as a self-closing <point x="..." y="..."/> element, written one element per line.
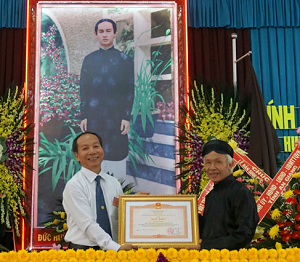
<point x="276" y="60"/>
<point x="13" y="14"/>
<point x="243" y="13"/>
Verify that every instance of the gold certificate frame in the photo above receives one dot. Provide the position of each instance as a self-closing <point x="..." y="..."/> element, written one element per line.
<point x="158" y="221"/>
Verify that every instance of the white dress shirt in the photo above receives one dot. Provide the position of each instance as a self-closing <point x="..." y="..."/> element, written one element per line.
<point x="79" y="202"/>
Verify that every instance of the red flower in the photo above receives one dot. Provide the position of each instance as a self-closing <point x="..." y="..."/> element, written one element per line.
<point x="287" y="212"/>
<point x="297" y="217"/>
<point x="286" y="237"/>
<point x="257" y="193"/>
<point x="297" y="226"/>
<point x="288" y="223"/>
<point x="292" y="200"/>
<point x="284" y="232"/>
<point x="297" y="191"/>
<point x="281" y="224"/>
<point x="298" y="208"/>
<point x="296" y="235"/>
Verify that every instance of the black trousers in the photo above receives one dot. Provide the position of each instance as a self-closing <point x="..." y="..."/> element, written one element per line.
<point x="75" y="247"/>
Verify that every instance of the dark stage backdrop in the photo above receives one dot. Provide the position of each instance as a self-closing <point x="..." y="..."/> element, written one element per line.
<point x="12" y="57"/>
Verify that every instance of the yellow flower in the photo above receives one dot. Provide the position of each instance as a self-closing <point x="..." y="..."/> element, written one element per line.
<point x="225" y="253"/>
<point x="263" y="260"/>
<point x="108" y="260"/>
<point x="278" y="245"/>
<point x="60" y="254"/>
<point x="288" y="194"/>
<point x="253" y="259"/>
<point x="122" y="254"/>
<point x="151" y="253"/>
<point x="194" y="260"/>
<point x="289" y="251"/>
<point x="272" y="259"/>
<point x="274" y="232"/>
<point x="100" y="254"/>
<point x="80" y="253"/>
<point x="23" y="255"/>
<point x="194" y="254"/>
<point x="290" y="258"/>
<point x="90" y="253"/>
<point x="280" y="259"/>
<point x="51" y="254"/>
<point x="134" y="260"/>
<point x="70" y="253"/>
<point x="272" y="253"/>
<point x="4" y="256"/>
<point x="171" y="253"/>
<point x="204" y="254"/>
<point x="55" y="221"/>
<point x="140" y="253"/>
<point x="243" y="260"/>
<point x="214" y="254"/>
<point x="54" y="260"/>
<point x="64" y="260"/>
<point x="34" y="255"/>
<point x="275" y="214"/>
<point x="174" y="260"/>
<point x="234" y="254"/>
<point x="225" y="260"/>
<point x="296" y="251"/>
<point x="163" y="251"/>
<point x="235" y="260"/>
<point x="243" y="253"/>
<point x="296" y="175"/>
<point x="238" y="173"/>
<point x="281" y="253"/>
<point x="111" y="254"/>
<point x="12" y="255"/>
<point x="183" y="254"/>
<point x="73" y="259"/>
<point x="144" y="260"/>
<point x="131" y="254"/>
<point x="65" y="226"/>
<point x="62" y="215"/>
<point x="263" y="253"/>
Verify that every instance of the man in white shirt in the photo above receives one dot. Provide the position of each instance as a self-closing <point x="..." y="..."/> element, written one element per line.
<point x="79" y="199"/>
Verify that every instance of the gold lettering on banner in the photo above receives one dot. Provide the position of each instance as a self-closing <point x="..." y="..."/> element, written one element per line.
<point x="44" y="237"/>
<point x="282" y="117"/>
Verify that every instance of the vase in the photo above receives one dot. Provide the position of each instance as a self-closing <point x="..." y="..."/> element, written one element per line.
<point x="149" y="130"/>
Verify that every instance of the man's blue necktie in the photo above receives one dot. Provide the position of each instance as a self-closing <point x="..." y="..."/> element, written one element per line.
<point x="102" y="216"/>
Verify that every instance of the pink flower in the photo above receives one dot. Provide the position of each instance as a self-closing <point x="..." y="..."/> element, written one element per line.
<point x="250" y="186"/>
<point x="240" y="179"/>
<point x="257" y="193"/>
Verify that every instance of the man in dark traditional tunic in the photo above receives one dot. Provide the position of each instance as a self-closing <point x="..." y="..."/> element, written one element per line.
<point x="230" y="215"/>
<point x="107" y="91"/>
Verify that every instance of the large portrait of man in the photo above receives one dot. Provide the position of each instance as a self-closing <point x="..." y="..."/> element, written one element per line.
<point x="110" y="69"/>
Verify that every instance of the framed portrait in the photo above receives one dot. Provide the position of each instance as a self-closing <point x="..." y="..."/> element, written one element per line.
<point x="158" y="221"/>
<point x="130" y="96"/>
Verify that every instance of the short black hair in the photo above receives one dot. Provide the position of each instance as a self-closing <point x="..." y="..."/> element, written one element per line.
<point x="106" y="20"/>
<point x="75" y="145"/>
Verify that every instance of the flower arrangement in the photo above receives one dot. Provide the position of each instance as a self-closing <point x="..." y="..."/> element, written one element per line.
<point x="152" y="255"/>
<point x="209" y="115"/>
<point x="12" y="153"/>
<point x="167" y="110"/>
<point x="255" y="185"/>
<point x="59" y="93"/>
<point x="282" y="223"/>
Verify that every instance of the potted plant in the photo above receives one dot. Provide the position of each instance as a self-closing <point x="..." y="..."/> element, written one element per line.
<point x="144" y="113"/>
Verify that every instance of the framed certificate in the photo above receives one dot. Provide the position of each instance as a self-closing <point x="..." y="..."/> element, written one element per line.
<point x="158" y="221"/>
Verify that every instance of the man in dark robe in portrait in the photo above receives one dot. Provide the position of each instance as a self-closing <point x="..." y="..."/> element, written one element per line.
<point x="107" y="92"/>
<point x="230" y="214"/>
